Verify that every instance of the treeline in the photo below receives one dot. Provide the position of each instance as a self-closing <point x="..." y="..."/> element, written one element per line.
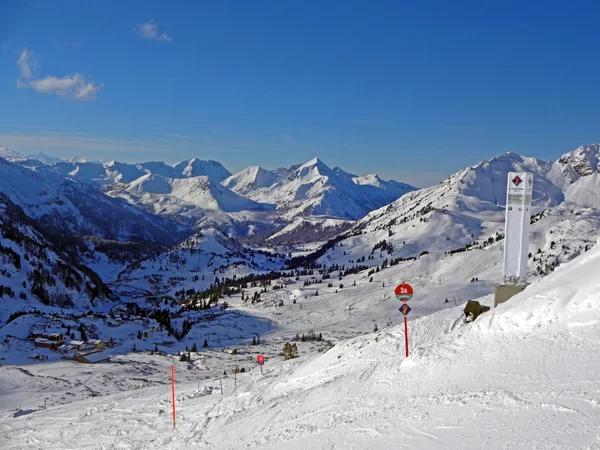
<point x="38" y="247"/>
<point x="126" y="251"/>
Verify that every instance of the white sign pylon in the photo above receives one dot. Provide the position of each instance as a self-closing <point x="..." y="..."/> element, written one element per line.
<point x="516" y="233"/>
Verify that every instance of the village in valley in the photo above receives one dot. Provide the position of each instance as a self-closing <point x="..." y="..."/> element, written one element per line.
<point x="69" y="337"/>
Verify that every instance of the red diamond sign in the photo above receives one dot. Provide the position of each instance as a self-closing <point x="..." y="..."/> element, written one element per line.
<point x="517" y="180"/>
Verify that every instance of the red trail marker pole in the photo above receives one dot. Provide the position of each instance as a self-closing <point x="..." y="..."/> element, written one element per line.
<point x="406" y="335"/>
<point x="404" y="293"/>
<point x="173" y="391"/>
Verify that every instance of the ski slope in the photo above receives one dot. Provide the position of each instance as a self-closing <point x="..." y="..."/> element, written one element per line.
<point x="524" y="375"/>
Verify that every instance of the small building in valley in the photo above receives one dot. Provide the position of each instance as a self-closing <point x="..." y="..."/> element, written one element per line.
<point x="97" y="344"/>
<point x="46" y="343"/>
<point x="77" y="345"/>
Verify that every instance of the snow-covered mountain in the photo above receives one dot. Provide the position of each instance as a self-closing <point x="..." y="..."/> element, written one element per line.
<point x="578" y="174"/>
<point x="15" y="155"/>
<point x="194" y="264"/>
<point x="203" y="194"/>
<point x="254" y="178"/>
<point x="117" y="172"/>
<point x="466" y="212"/>
<point x="65" y="205"/>
<point x="314" y="189"/>
<point x="195" y="201"/>
<point x="40" y="268"/>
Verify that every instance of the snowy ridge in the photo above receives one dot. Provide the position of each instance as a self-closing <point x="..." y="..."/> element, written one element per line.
<point x="64" y="204"/>
<point x="315" y="189"/>
<point x="467" y="206"/>
<point x="253" y="178"/>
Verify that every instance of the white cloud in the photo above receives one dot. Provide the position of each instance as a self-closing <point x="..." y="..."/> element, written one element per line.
<point x="72" y="87"/>
<point x="27" y="63"/>
<point x="149" y="30"/>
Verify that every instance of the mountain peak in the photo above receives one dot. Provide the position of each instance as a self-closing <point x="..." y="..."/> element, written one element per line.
<point x="315" y="162"/>
<point x="198" y="167"/>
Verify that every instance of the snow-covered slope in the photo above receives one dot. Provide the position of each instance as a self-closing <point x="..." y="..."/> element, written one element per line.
<point x="66" y="205"/>
<point x="315" y="189"/>
<point x="253" y="178"/>
<point x="577" y="173"/>
<point x="194" y="263"/>
<point x="199" y="191"/>
<point x="581" y="162"/>
<point x="466" y="207"/>
<point x="522" y="375"/>
<point x="37" y="269"/>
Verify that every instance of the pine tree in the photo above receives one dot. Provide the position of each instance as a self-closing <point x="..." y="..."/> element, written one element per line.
<point x="205" y="343"/>
<point x="194" y="347"/>
<point x="254" y="340"/>
<point x="290" y="351"/>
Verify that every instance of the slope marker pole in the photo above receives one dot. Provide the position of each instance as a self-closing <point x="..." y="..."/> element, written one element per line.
<point x="406" y="335"/>
<point x="173" y="391"/>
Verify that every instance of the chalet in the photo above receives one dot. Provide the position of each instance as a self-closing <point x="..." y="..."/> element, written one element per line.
<point x="77" y="345"/>
<point x="46" y="343"/>
<point x="65" y="349"/>
<point x="97" y="344"/>
<point x="56" y="337"/>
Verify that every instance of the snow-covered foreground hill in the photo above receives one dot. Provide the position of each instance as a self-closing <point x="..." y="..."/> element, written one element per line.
<point x="523" y="375"/>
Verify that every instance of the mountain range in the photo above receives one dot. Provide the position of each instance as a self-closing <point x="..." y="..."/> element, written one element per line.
<point x="203" y="194"/>
<point x="198" y="215"/>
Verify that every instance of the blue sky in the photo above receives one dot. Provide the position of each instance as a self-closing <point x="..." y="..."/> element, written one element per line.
<point x="410" y="90"/>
